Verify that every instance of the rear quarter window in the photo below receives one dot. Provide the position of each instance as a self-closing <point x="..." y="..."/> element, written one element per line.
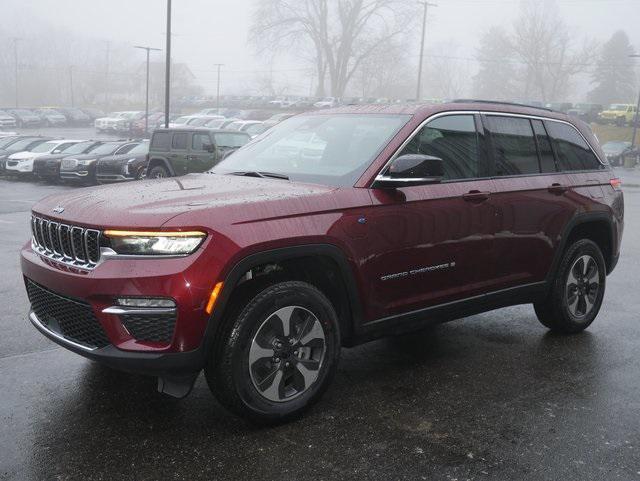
<point x="572" y="151"/>
<point x="161" y="141"/>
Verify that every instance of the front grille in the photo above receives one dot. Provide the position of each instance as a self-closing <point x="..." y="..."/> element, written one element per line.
<point x="74" y="320"/>
<point x="108" y="168"/>
<point x="70" y="245"/>
<point x="153" y="328"/>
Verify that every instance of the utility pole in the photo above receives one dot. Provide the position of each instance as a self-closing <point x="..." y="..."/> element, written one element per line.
<point x="146" y="102"/>
<point x="15" y="60"/>
<point x="636" y="119"/>
<point x="71" y="84"/>
<point x="106" y="78"/>
<point x="219" y="65"/>
<point x="425" y="5"/>
<point x="167" y="76"/>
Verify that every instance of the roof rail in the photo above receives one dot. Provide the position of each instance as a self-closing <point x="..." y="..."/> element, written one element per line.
<point x="514" y="104"/>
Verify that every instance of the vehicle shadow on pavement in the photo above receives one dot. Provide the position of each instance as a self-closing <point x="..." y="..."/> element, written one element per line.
<point x="465" y="387"/>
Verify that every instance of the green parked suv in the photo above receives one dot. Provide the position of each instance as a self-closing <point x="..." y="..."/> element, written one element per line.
<point x="183" y="151"/>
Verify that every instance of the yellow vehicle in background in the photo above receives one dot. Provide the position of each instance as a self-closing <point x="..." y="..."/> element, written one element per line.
<point x="618" y="114"/>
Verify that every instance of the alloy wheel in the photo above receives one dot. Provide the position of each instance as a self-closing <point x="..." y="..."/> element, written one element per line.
<point x="287" y="353"/>
<point x="582" y="287"/>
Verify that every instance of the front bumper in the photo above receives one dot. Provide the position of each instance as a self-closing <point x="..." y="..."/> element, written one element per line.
<point x="146" y="363"/>
<point x="180" y="279"/>
<point x="19" y="166"/>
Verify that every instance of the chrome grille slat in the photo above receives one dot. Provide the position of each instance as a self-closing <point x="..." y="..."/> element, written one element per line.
<point x="71" y="245"/>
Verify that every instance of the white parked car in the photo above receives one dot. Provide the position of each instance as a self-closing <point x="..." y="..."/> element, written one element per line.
<point x="117" y="121"/>
<point x="327" y="103"/>
<point x="22" y="162"/>
<point x="6" y="120"/>
<point x="193" y="120"/>
<point x="252" y="127"/>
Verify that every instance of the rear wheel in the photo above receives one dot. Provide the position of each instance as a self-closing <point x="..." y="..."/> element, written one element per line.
<point x="578" y="290"/>
<point x="277" y="355"/>
<point x="158" y="172"/>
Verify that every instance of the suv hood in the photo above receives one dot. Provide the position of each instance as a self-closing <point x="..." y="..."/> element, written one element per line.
<point x="151" y="203"/>
<point x="23" y="155"/>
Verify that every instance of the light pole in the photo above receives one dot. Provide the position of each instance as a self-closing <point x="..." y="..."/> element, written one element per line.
<point x="71" y="85"/>
<point x="637" y="116"/>
<point x="15" y="60"/>
<point x="425" y="5"/>
<point x="219" y="65"/>
<point x="167" y="70"/>
<point x="146" y="101"/>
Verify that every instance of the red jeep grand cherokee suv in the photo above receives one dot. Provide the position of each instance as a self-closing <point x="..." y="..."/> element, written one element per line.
<point x="333" y="228"/>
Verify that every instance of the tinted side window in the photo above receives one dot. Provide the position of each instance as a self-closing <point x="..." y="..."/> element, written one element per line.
<point x="160" y="141"/>
<point x="571" y="149"/>
<point x="514" y="149"/>
<point x="179" y="141"/>
<point x="200" y="141"/>
<point x="547" y="162"/>
<point x="454" y="139"/>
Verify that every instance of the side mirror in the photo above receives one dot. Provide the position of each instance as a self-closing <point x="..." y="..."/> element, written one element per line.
<point x="411" y="169"/>
<point x="210" y="148"/>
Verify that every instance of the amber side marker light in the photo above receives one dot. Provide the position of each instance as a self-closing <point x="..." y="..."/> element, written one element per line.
<point x="139" y="233"/>
<point x="213" y="297"/>
<point x="616" y="184"/>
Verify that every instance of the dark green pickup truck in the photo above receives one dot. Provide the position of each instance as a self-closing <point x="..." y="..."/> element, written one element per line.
<point x="187" y="150"/>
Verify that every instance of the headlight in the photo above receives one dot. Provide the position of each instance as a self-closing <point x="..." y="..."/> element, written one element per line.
<point x="86" y="162"/>
<point x="154" y="243"/>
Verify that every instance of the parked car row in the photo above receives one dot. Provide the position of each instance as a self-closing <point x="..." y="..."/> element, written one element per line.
<point x="173" y="152"/>
<point x="47" y="117"/>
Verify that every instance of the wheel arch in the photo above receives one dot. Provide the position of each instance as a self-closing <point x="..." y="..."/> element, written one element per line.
<point x="348" y="310"/>
<point x="153" y="161"/>
<point x="595" y="226"/>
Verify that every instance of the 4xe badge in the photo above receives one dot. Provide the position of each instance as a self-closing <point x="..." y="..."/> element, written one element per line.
<point x="58" y="209"/>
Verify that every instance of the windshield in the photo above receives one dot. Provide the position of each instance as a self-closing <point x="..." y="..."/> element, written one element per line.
<point x="78" y="148"/>
<point x="45" y="147"/>
<point x="23" y="144"/>
<point x="199" y="122"/>
<point x="617" y="107"/>
<point x="105" y="149"/>
<point x="182" y="120"/>
<point x="326" y="149"/>
<point x="215" y="124"/>
<point x="142" y="148"/>
<point x="230" y="139"/>
<point x="6" y="141"/>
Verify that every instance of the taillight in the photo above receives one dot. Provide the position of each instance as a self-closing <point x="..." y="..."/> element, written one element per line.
<point x="616" y="184"/>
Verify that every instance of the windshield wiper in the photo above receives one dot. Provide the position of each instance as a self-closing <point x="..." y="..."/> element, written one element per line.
<point x="262" y="174"/>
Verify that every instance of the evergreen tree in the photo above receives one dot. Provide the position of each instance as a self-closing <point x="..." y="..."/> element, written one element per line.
<point x="614" y="77"/>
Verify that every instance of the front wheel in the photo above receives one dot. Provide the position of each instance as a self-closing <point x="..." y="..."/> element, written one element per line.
<point x="577" y="292"/>
<point x="158" y="172"/>
<point x="278" y="355"/>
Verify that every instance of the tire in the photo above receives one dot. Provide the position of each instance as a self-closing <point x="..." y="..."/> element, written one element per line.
<point x="254" y="349"/>
<point x="158" y="172"/>
<point x="574" y="302"/>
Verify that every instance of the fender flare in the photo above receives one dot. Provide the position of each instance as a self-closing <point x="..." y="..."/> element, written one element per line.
<point x="576" y="221"/>
<point x="164" y="162"/>
<point x="277" y="255"/>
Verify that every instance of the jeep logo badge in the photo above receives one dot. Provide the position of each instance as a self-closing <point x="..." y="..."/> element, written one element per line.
<point x="58" y="209"/>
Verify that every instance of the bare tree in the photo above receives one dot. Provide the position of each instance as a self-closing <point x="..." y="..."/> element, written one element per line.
<point x="341" y="33"/>
<point x="497" y="74"/>
<point x="542" y="42"/>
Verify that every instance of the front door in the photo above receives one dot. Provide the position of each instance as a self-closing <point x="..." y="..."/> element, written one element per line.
<point x="433" y="244"/>
<point x="202" y="152"/>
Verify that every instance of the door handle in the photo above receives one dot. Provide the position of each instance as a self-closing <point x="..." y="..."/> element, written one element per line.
<point x="558" y="189"/>
<point x="476" y="196"/>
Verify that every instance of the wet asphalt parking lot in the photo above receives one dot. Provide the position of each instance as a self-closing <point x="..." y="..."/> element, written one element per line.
<point x="493" y="396"/>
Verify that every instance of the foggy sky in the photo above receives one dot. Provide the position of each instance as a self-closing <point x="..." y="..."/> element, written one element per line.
<point x="215" y="31"/>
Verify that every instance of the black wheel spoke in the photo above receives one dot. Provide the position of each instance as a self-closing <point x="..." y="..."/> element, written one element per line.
<point x="582" y="286"/>
<point x="286" y="353"/>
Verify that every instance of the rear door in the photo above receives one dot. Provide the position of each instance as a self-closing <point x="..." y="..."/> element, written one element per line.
<point x="180" y="152"/>
<point x="531" y="206"/>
